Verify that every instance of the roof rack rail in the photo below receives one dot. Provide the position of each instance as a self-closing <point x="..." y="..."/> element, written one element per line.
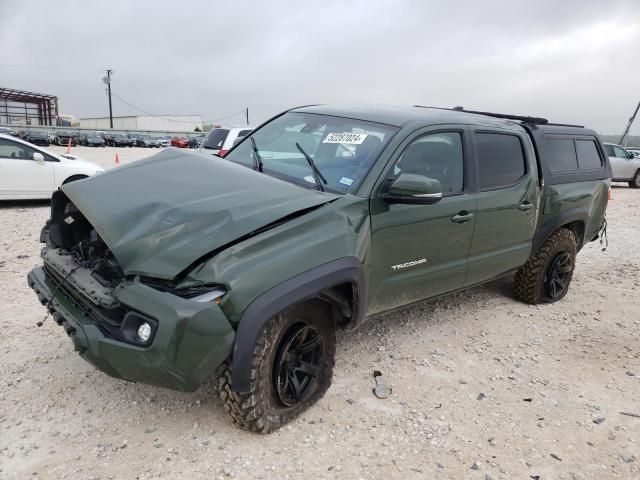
<point x="525" y="119"/>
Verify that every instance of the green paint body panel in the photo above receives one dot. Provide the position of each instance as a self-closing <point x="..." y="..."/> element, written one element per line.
<point x="191" y="342"/>
<point x="163" y="215"/>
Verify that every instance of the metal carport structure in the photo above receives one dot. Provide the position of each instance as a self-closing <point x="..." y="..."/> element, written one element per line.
<point x="21" y="107"/>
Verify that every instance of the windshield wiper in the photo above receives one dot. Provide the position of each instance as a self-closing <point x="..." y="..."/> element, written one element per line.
<point x="316" y="173"/>
<point x="257" y="159"/>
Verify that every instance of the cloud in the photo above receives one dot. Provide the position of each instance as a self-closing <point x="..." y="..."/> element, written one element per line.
<point x="570" y="61"/>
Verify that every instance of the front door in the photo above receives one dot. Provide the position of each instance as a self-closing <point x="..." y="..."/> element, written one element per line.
<point x="420" y="251"/>
<point x="20" y="175"/>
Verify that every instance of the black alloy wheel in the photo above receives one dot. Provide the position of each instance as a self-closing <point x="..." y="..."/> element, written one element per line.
<point x="297" y="363"/>
<point x="558" y="275"/>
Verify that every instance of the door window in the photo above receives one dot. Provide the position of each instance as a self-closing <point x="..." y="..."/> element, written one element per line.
<point x="14" y="150"/>
<point x="621" y="153"/>
<point x="500" y="160"/>
<point x="438" y="156"/>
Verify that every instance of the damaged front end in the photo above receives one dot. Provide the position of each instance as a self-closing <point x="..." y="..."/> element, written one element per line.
<point x="185" y="338"/>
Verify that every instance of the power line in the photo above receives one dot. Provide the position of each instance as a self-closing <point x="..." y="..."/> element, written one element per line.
<point x="173" y="119"/>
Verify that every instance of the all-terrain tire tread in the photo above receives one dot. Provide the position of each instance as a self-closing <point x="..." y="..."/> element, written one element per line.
<point x="246" y="409"/>
<point x="527" y="285"/>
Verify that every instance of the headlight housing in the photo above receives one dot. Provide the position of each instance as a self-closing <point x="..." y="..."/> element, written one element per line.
<point x="214" y="295"/>
<point x="202" y="293"/>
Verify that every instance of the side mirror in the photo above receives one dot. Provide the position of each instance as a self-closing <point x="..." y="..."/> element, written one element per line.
<point x="413" y="189"/>
<point x="38" y="157"/>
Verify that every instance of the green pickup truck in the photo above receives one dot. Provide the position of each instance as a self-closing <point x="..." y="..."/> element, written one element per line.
<point x="183" y="266"/>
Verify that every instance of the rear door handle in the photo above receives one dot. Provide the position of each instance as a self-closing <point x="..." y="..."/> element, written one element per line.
<point x="462" y="217"/>
<point x="525" y="207"/>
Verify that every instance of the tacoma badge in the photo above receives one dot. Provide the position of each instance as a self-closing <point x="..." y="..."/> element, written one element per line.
<point x="412" y="263"/>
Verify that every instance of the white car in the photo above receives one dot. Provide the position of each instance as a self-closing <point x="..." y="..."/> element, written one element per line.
<point x="29" y="172"/>
<point x="625" y="165"/>
<point x="219" y="140"/>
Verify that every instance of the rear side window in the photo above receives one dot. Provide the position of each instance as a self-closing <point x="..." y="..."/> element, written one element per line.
<point x="243" y="133"/>
<point x="215" y="139"/>
<point x="500" y="160"/>
<point x="588" y="157"/>
<point x="561" y="154"/>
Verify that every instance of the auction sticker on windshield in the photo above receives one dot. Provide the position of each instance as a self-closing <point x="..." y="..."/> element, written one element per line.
<point x="345" y="138"/>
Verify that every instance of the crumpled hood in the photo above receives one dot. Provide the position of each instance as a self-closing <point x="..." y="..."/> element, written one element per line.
<point x="159" y="215"/>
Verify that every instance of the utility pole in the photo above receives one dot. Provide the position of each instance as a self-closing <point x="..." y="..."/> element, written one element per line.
<point x="626" y="130"/>
<point x="247" y="114"/>
<point x="107" y="80"/>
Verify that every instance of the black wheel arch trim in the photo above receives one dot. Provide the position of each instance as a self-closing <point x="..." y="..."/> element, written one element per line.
<point x="580" y="214"/>
<point x="301" y="287"/>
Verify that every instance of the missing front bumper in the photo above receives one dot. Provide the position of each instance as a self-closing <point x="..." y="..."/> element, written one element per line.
<point x="190" y="343"/>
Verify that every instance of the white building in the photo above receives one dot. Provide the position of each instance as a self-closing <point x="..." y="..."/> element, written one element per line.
<point x="161" y="123"/>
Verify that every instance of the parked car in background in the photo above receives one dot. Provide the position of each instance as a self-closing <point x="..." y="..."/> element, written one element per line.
<point x="134" y="137"/>
<point x="147" y="141"/>
<point x="63" y="136"/>
<point x="119" y="140"/>
<point x="8" y="131"/>
<point x="196" y="140"/>
<point x="29" y="172"/>
<point x="180" y="142"/>
<point x="220" y="140"/>
<point x="37" y="137"/>
<point x="165" y="141"/>
<point x="92" y="139"/>
<point x="625" y="165"/>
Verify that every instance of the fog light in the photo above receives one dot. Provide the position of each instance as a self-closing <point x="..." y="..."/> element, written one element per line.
<point x="144" y="332"/>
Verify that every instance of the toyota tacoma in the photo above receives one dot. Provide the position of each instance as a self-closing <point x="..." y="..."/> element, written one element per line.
<point x="185" y="266"/>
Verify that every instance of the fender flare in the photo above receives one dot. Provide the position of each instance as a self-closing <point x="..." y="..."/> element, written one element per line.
<point x="273" y="301"/>
<point x="580" y="214"/>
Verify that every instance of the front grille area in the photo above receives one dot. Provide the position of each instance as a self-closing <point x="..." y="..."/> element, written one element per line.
<point x="108" y="320"/>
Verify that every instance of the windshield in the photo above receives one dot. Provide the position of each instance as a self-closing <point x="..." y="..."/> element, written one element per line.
<point x="342" y="149"/>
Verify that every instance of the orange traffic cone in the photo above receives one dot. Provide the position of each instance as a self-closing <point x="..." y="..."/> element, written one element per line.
<point x="69" y="145"/>
<point x="117" y="159"/>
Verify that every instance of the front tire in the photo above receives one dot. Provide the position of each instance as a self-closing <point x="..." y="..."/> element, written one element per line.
<point x="546" y="276"/>
<point x="291" y="369"/>
<point x="635" y="181"/>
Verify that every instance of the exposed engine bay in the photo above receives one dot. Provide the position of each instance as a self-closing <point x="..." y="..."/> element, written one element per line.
<point x="72" y="233"/>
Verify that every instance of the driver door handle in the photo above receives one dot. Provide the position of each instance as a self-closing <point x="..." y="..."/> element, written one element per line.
<point x="462" y="217"/>
<point x="526" y="206"/>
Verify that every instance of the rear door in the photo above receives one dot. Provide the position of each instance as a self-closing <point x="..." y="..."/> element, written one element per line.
<point x="420" y="251"/>
<point x="507" y="203"/>
<point x="20" y="175"/>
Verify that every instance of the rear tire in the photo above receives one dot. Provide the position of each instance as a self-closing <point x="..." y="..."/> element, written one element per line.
<point x="546" y="276"/>
<point x="291" y="369"/>
<point x="635" y="181"/>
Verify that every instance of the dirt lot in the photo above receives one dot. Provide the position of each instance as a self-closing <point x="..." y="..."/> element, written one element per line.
<point x="483" y="387"/>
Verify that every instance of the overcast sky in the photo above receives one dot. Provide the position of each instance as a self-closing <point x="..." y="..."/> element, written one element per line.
<point x="575" y="61"/>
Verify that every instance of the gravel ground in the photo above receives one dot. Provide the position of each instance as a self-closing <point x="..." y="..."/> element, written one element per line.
<point x="484" y="387"/>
